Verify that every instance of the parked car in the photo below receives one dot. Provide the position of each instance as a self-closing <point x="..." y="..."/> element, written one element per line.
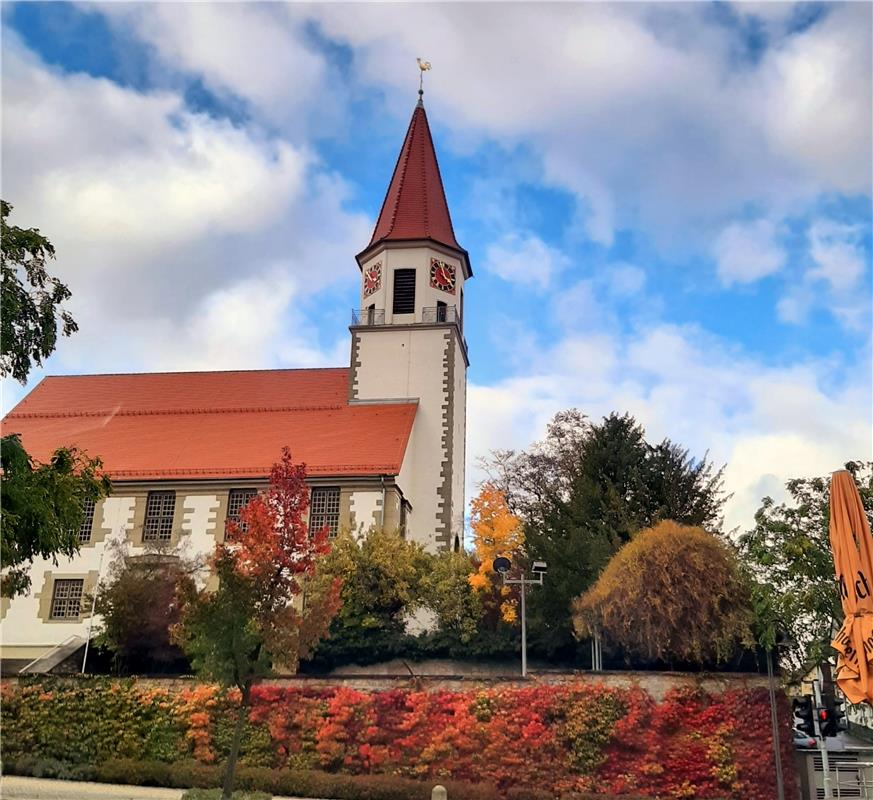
<point x="804" y="740"/>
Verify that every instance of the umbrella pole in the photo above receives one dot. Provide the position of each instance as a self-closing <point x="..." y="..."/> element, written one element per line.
<point x="774" y="718"/>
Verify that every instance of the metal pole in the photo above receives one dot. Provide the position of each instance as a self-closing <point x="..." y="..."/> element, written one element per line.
<point x="825" y="764"/>
<point x="93" y="606"/>
<point x="523" y="631"/>
<point x="774" y="718"/>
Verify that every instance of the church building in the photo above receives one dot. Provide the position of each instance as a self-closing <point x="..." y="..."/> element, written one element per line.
<point x="382" y="438"/>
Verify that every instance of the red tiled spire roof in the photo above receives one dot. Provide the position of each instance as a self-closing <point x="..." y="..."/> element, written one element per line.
<point x="200" y="425"/>
<point x="415" y="206"/>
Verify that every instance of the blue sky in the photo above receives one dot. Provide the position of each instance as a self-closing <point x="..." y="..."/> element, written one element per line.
<point x="667" y="206"/>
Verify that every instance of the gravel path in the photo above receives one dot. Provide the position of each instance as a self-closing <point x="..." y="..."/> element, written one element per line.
<point x="13" y="787"/>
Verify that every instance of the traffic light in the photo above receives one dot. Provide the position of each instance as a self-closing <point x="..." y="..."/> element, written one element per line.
<point x="804" y="711"/>
<point x="835" y="721"/>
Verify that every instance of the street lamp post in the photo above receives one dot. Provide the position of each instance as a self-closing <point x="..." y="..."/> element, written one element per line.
<point x="538" y="568"/>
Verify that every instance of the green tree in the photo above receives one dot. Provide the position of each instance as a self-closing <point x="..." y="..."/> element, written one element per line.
<point x="445" y="589"/>
<point x="583" y="492"/>
<point x="43" y="507"/>
<point x="30" y="300"/>
<point x="674" y="593"/>
<point x="381" y="577"/>
<point x="237" y="632"/>
<point x="788" y="554"/>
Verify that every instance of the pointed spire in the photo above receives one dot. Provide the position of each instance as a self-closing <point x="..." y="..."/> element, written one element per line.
<point x="415" y="206"/>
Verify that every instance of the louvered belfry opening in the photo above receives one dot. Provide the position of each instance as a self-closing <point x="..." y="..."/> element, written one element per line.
<point x="404" y="291"/>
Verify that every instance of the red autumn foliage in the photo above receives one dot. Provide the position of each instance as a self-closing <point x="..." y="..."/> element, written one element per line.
<point x="692" y="744"/>
<point x="557" y="739"/>
<point x="272" y="543"/>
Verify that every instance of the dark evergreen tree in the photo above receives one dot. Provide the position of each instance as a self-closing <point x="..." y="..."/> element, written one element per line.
<point x="584" y="492"/>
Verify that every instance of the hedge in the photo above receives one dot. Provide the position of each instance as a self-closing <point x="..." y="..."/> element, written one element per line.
<point x="289" y="782"/>
<point x="556" y="740"/>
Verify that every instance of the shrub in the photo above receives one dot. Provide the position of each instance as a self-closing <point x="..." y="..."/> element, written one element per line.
<point x="188" y="774"/>
<point x="555" y="740"/>
<point x="134" y="771"/>
<point x="215" y="794"/>
<point x="49" y="768"/>
<point x="674" y="593"/>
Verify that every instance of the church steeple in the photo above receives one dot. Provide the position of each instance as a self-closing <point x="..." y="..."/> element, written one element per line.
<point x="415" y="207"/>
<point x="407" y="335"/>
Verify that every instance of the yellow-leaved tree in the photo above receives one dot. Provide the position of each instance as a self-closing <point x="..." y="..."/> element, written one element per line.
<point x="496" y="532"/>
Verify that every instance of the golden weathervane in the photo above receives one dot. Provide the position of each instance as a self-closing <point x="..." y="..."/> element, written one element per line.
<point x="424" y="66"/>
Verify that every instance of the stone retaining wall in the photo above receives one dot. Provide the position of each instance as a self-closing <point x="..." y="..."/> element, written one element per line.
<point x="458" y="676"/>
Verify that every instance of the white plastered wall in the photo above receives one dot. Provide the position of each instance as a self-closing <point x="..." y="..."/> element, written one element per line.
<point x="367" y="508"/>
<point x="408" y="363"/>
<point x="23" y="630"/>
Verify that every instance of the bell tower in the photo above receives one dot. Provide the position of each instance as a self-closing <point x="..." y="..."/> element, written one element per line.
<point x="407" y="336"/>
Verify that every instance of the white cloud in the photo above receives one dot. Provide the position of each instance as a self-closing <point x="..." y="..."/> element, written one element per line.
<point x="525" y="259"/>
<point x="747" y="251"/>
<point x="767" y="423"/>
<point x="838" y="252"/>
<point x="815" y="102"/>
<point x="769" y="11"/>
<point x="255" y="52"/>
<point x="578" y="307"/>
<point x="186" y="241"/>
<point x="625" y="279"/>
<point x="795" y="305"/>
<point x="837" y="279"/>
<point x="645" y="113"/>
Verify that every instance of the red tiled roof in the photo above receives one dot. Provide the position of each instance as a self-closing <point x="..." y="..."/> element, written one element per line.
<point x="415" y="206"/>
<point x="157" y="426"/>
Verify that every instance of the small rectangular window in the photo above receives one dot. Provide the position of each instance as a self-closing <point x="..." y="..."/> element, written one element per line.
<point x="442" y="311"/>
<point x="160" y="508"/>
<point x="87" y="520"/>
<point x="325" y="509"/>
<point x="67" y="598"/>
<point x="235" y="502"/>
<point x="404" y="291"/>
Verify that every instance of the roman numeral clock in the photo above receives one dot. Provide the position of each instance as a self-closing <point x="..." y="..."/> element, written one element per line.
<point x="373" y="279"/>
<point x="442" y="276"/>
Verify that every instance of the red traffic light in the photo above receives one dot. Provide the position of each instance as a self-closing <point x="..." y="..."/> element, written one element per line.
<point x="823" y="714"/>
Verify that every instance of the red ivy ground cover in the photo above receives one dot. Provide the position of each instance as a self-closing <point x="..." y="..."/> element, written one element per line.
<point x="575" y="737"/>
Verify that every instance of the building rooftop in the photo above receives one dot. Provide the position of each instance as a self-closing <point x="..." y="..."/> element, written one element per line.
<point x="213" y="425"/>
<point x="415" y="205"/>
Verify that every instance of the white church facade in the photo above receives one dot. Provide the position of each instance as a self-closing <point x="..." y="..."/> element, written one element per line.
<point x="383" y="438"/>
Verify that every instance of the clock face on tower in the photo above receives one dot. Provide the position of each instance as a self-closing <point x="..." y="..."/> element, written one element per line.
<point x="442" y="276"/>
<point x="372" y="278"/>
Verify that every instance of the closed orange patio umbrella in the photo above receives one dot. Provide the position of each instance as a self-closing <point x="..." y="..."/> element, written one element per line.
<point x="852" y="547"/>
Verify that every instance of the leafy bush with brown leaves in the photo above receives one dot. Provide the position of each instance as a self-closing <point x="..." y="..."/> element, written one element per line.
<point x="674" y="593"/>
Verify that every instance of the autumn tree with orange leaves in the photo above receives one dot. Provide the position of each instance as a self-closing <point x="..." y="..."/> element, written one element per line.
<point x="236" y="633"/>
<point x="496" y="532"/>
